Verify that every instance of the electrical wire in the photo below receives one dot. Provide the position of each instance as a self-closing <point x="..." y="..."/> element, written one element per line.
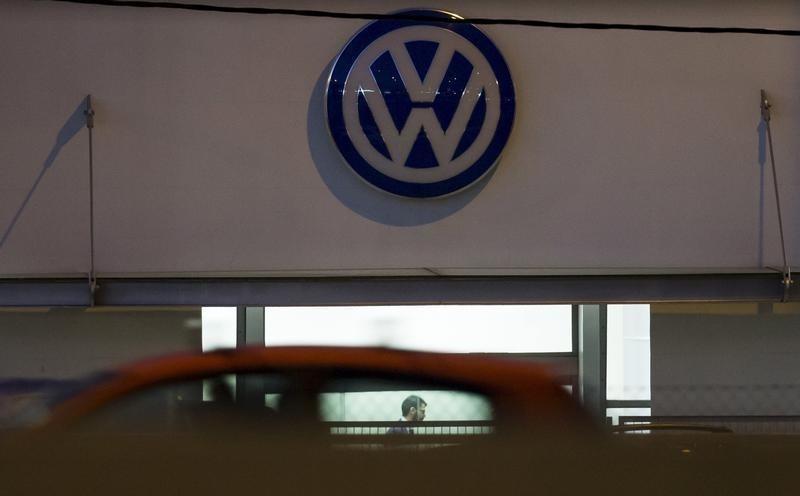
<point x="417" y="17"/>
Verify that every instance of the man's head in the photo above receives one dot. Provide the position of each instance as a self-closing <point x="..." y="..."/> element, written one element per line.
<point x="413" y="408"/>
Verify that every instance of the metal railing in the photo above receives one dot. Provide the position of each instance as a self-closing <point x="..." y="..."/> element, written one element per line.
<point x="738" y="424"/>
<point x="426" y="428"/>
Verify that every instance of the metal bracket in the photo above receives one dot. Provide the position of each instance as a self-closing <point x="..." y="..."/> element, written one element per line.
<point x="89" y="113"/>
<point x="765" y="106"/>
<point x="766" y="115"/>
<point x="787" y="285"/>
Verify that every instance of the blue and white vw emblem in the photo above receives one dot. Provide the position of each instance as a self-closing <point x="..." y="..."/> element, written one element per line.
<point x="420" y="108"/>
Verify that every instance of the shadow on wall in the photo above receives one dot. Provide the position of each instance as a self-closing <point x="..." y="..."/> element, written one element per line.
<point x="361" y="197"/>
<point x="71" y="127"/>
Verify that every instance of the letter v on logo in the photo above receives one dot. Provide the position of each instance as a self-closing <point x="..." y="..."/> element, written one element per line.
<point x="420" y="108"/>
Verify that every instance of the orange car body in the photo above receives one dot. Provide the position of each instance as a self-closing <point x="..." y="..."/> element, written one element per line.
<point x="520" y="392"/>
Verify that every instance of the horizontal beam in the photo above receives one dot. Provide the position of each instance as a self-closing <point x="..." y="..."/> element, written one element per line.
<point x="45" y="292"/>
<point x="759" y="287"/>
<point x="627" y="403"/>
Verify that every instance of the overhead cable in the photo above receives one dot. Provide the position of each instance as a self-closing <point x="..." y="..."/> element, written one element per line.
<point x="418" y="17"/>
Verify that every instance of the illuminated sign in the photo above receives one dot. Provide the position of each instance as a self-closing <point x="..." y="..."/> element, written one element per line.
<point x="420" y="108"/>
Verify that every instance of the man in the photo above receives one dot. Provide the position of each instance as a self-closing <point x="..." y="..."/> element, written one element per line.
<point x="413" y="409"/>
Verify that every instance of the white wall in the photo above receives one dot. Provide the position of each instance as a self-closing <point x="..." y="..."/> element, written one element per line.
<point x="725" y="359"/>
<point x="72" y="343"/>
<point x="631" y="151"/>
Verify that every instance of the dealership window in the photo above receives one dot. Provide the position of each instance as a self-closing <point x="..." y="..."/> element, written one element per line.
<point x="441" y="328"/>
<point x="219" y="327"/>
<point x="541" y="330"/>
<point x="627" y="361"/>
<point x="628" y="352"/>
<point x="522" y="329"/>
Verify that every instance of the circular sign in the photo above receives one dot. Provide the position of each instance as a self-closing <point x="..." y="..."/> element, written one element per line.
<point x="420" y="108"/>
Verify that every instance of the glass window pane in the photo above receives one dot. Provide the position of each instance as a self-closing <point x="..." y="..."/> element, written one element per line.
<point x="442" y="328"/>
<point x="219" y="327"/>
<point x="628" y="352"/>
<point x="367" y="406"/>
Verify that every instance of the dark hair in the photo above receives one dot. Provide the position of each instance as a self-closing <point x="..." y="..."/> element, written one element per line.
<point x="412" y="400"/>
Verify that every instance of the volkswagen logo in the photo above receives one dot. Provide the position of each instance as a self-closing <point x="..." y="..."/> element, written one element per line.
<point x="420" y="108"/>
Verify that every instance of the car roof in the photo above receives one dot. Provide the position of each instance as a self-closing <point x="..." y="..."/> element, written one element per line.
<point x="518" y="388"/>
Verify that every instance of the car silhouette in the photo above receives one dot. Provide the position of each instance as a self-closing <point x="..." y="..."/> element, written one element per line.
<point x="348" y="394"/>
<point x="317" y="420"/>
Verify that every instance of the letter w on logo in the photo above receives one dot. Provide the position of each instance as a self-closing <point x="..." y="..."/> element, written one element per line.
<point x="421" y="107"/>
